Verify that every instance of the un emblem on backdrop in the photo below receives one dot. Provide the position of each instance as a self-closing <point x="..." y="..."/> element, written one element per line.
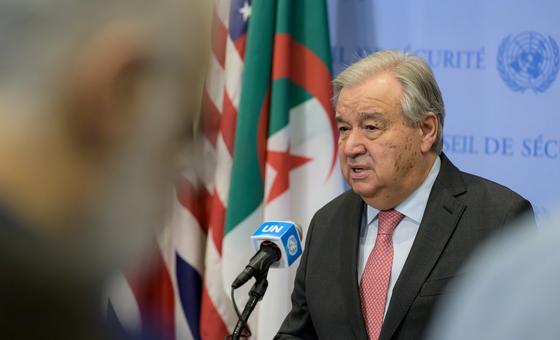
<point x="528" y="60"/>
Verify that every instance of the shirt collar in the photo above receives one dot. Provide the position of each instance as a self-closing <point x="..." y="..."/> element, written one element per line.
<point x="414" y="205"/>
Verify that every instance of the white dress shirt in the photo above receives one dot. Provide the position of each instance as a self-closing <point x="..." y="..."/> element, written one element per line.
<point x="404" y="234"/>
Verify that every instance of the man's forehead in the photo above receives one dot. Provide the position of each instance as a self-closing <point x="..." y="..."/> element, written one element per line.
<point x="370" y="97"/>
<point x="365" y="107"/>
<point x="362" y="102"/>
<point x="360" y="116"/>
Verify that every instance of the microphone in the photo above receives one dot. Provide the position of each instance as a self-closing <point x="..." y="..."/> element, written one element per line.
<point x="278" y="245"/>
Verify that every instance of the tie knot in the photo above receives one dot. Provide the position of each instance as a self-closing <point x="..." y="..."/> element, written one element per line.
<point x="388" y="221"/>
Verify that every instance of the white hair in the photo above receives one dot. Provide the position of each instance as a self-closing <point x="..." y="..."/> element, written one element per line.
<point x="421" y="94"/>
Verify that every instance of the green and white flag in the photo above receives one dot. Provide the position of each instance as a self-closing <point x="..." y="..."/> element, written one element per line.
<point x="285" y="160"/>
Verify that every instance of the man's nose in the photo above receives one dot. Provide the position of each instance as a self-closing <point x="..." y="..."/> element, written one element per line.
<point x="354" y="144"/>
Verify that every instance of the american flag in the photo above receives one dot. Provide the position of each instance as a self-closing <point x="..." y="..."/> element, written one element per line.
<point x="184" y="296"/>
<point x="220" y="106"/>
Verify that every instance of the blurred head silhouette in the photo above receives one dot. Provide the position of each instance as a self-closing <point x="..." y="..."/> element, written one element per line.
<point x="97" y="115"/>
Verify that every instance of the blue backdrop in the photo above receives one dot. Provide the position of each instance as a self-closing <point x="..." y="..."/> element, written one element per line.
<point x="496" y="63"/>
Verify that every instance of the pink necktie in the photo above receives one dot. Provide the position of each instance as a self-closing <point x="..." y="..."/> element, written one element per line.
<point x="375" y="279"/>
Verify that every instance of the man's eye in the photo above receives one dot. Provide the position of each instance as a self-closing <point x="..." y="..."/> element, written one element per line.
<point x="371" y="127"/>
<point x="343" y="128"/>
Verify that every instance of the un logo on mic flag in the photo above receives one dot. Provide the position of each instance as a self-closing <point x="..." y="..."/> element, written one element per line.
<point x="292" y="245"/>
<point x="528" y="60"/>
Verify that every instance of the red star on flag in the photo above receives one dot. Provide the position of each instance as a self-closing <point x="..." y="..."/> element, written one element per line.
<point x="283" y="162"/>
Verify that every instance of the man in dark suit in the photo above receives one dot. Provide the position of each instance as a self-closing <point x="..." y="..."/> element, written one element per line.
<point x="378" y="257"/>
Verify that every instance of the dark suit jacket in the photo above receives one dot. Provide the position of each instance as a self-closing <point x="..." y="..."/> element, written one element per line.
<point x="462" y="211"/>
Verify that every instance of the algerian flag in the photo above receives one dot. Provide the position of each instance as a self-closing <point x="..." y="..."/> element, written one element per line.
<point x="284" y="161"/>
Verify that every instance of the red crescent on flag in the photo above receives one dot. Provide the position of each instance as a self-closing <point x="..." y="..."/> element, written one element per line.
<point x="304" y="68"/>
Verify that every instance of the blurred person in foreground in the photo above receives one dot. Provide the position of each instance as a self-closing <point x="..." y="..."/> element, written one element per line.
<point x="97" y="103"/>
<point x="379" y="256"/>
<point x="511" y="292"/>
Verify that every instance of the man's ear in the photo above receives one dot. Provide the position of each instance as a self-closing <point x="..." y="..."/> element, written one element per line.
<point x="102" y="89"/>
<point x="429" y="127"/>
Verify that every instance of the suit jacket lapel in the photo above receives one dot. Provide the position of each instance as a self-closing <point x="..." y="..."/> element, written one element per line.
<point x="441" y="216"/>
<point x="351" y="219"/>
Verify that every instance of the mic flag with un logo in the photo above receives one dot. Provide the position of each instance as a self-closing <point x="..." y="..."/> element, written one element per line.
<point x="285" y="235"/>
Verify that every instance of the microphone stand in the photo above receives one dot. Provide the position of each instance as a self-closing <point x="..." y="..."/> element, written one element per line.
<point x="255" y="295"/>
